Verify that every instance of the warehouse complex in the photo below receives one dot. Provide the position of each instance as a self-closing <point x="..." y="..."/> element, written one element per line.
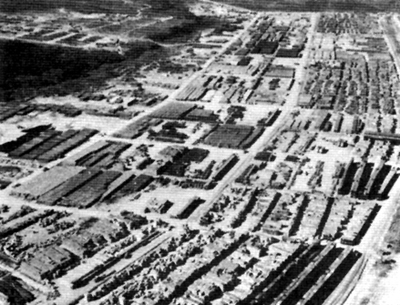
<point x="266" y="174"/>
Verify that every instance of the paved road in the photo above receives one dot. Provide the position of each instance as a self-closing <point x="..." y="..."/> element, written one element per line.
<point x="270" y="133"/>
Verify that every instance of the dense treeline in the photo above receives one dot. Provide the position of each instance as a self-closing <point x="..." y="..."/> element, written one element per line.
<point x="29" y="64"/>
<point x="28" y="69"/>
<point x="177" y="29"/>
